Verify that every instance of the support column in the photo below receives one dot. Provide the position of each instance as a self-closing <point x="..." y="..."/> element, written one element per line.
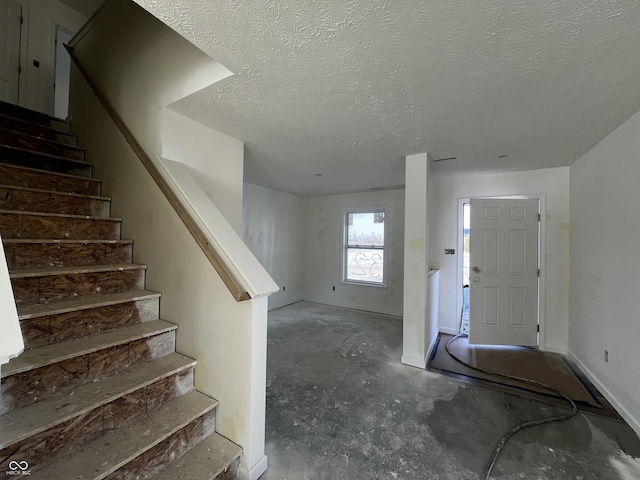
<point x="416" y="331"/>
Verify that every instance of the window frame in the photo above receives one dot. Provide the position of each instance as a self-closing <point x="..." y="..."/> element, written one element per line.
<point x="345" y="246"/>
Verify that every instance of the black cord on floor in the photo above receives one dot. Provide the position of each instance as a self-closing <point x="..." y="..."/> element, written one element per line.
<point x="522" y="426"/>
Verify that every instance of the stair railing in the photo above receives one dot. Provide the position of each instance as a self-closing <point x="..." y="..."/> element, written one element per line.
<point x="231" y="282"/>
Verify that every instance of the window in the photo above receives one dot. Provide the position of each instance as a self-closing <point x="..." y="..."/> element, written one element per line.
<point x="363" y="252"/>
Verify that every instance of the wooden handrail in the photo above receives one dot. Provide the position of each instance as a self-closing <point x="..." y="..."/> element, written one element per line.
<point x="238" y="293"/>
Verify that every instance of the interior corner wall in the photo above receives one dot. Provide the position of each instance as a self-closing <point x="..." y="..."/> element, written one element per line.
<point x="215" y="160"/>
<point x="322" y="252"/>
<point x="38" y="37"/>
<point x="272" y="229"/>
<point x="605" y="266"/>
<point x="444" y="193"/>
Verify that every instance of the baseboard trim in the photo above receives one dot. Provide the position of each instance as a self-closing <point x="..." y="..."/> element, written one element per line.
<point x="631" y="419"/>
<point x="256" y="471"/>
<point x="555" y="349"/>
<point x="448" y="330"/>
<point x="414" y="362"/>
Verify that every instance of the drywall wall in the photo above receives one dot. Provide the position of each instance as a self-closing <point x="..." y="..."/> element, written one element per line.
<point x="37" y="46"/>
<point x="444" y="193"/>
<point x="11" y="342"/>
<point x="141" y="82"/>
<point x="214" y="159"/>
<point x="322" y="252"/>
<point x="142" y="70"/>
<point x="272" y="229"/>
<point x="417" y="324"/>
<point x="228" y="338"/>
<point x="605" y="266"/>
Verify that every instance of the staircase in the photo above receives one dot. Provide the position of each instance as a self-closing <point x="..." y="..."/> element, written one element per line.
<point x="99" y="392"/>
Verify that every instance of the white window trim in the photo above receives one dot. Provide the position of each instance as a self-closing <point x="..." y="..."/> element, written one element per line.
<point x="385" y="249"/>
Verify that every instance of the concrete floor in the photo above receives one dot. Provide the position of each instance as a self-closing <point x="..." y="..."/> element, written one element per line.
<point x="340" y="405"/>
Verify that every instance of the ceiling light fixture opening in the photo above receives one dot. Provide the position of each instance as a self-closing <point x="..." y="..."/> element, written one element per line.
<point x="503" y="156"/>
<point x="318" y="174"/>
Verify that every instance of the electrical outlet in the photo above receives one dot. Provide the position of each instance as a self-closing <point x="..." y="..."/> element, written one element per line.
<point x="334" y="287"/>
<point x="449" y="251"/>
<point x="284" y="288"/>
<point x="606" y="356"/>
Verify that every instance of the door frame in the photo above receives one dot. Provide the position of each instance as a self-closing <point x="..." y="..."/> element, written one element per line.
<point x="542" y="198"/>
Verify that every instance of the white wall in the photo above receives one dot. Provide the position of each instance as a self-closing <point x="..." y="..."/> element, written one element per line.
<point x="322" y="252"/>
<point x="605" y="266"/>
<point x="444" y="193"/>
<point x="11" y="342"/>
<point x="38" y="43"/>
<point x="418" y="328"/>
<point x="141" y="70"/>
<point x="214" y="159"/>
<point x="273" y="225"/>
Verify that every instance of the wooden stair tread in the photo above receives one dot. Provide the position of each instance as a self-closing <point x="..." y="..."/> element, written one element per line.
<point x="26" y="312"/>
<point x="49" y="172"/>
<point x="43" y="139"/>
<point x="38" y="125"/>
<point x="40" y="153"/>
<point x="26" y="421"/>
<point x="108" y="453"/>
<point x="57" y="352"/>
<point x="61" y="215"/>
<point x="54" y="192"/>
<point x="64" y="241"/>
<point x="32" y="116"/>
<point x="205" y="461"/>
<point x="42" y="272"/>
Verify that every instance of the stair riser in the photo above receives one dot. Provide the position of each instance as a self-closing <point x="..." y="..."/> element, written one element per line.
<point x="28" y="142"/>
<point x="32" y="116"/>
<point x="17" y="225"/>
<point x="56" y="288"/>
<point x="12" y="175"/>
<point x="231" y="473"/>
<point x="51" y="444"/>
<point x="157" y="458"/>
<point x="50" y="329"/>
<point x="43" y="255"/>
<point x="27" y="128"/>
<point x="41" y="383"/>
<point x="30" y="201"/>
<point x="44" y="162"/>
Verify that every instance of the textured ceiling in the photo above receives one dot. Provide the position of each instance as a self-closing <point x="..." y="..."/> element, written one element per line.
<point x="348" y="88"/>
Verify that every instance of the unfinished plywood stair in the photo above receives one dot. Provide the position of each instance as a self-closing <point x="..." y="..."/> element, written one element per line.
<point x="99" y="392"/>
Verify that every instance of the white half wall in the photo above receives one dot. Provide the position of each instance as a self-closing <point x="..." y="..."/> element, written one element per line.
<point x="322" y="252"/>
<point x="605" y="266"/>
<point x="273" y="226"/>
<point x="215" y="161"/>
<point x="444" y="192"/>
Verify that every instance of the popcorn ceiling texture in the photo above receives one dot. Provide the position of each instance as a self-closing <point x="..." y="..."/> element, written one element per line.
<point x="348" y="88"/>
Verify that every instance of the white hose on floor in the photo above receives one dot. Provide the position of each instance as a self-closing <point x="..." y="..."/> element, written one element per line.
<point x="522" y="426"/>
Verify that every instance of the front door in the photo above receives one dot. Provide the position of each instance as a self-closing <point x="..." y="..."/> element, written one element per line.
<point x="503" y="278"/>
<point x="10" y="14"/>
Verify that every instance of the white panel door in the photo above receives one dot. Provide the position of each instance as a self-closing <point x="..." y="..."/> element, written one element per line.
<point x="10" y="13"/>
<point x="503" y="295"/>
